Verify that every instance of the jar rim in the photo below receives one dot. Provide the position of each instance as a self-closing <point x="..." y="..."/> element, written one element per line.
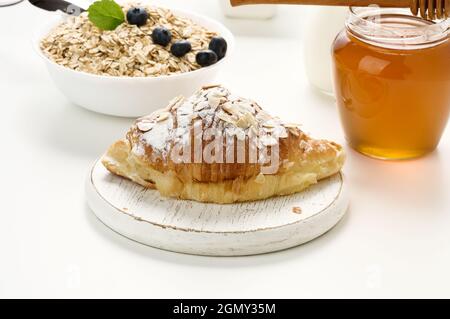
<point x="365" y="24"/>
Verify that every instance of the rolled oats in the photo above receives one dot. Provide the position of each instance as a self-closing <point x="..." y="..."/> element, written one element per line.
<point x="128" y="50"/>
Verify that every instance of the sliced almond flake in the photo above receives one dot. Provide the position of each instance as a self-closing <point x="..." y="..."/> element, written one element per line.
<point x="145" y="126"/>
<point x="226" y="118"/>
<point x="242" y="123"/>
<point x="291" y="125"/>
<point x="163" y="116"/>
<point x="244" y="107"/>
<point x="294" y="132"/>
<point x="214" y="101"/>
<point x="263" y="116"/>
<point x="175" y="102"/>
<point x="228" y="107"/>
<point x="211" y="86"/>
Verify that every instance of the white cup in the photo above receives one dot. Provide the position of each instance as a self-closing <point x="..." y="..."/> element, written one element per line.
<point x="321" y="28"/>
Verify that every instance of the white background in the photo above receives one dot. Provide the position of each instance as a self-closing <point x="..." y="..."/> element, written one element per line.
<point x="394" y="241"/>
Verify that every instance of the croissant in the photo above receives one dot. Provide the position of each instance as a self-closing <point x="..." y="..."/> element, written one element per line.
<point x="219" y="148"/>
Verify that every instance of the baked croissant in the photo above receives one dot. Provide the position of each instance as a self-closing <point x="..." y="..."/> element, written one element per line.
<point x="220" y="148"/>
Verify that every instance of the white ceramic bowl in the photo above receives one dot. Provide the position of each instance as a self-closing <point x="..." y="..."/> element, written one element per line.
<point x="131" y="96"/>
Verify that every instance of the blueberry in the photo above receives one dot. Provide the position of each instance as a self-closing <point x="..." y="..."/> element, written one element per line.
<point x="219" y="46"/>
<point x="180" y="48"/>
<point x="137" y="16"/>
<point x="161" y="36"/>
<point x="206" y="57"/>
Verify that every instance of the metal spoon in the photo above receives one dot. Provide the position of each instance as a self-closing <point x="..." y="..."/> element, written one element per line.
<point x="54" y="5"/>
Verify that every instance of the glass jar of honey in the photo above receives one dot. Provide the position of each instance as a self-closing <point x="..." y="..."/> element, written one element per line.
<point x="392" y="82"/>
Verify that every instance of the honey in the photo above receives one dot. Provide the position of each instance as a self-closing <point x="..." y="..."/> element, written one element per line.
<point x="392" y="83"/>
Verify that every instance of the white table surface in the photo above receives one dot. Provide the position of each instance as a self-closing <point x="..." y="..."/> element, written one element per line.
<point x="394" y="241"/>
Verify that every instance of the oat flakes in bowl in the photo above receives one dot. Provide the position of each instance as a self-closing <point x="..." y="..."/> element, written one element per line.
<point x="122" y="72"/>
<point x="128" y="50"/>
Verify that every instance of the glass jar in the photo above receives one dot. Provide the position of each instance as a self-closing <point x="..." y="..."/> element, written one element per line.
<point x="392" y="82"/>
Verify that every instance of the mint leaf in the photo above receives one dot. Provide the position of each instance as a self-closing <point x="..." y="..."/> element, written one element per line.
<point x="106" y="14"/>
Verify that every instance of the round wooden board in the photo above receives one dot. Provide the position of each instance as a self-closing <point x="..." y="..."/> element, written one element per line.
<point x="210" y="229"/>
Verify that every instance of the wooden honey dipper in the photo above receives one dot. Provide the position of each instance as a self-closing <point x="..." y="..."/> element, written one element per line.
<point x="428" y="9"/>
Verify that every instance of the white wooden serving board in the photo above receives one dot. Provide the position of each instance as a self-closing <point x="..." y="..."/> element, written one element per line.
<point x="210" y="229"/>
